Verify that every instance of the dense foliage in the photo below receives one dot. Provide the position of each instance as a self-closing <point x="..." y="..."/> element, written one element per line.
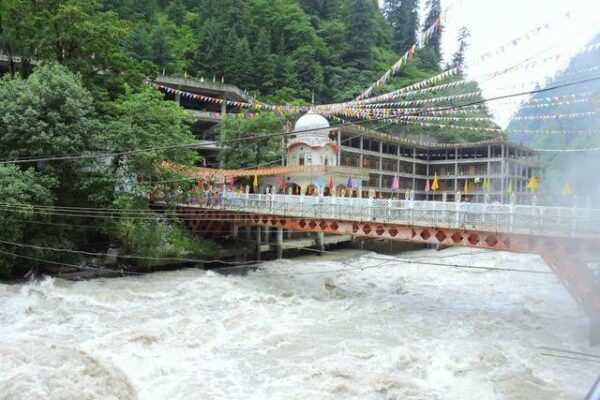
<point x="51" y="115"/>
<point x="264" y="148"/>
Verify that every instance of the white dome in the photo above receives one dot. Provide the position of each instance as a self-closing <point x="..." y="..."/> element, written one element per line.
<point x="311" y="121"/>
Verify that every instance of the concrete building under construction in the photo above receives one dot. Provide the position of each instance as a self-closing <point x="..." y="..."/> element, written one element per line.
<point x="373" y="157"/>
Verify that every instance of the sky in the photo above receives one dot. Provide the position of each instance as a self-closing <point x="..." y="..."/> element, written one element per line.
<point x="494" y="23"/>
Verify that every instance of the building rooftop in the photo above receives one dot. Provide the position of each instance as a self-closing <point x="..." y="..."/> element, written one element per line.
<point x="428" y="145"/>
<point x="213" y="89"/>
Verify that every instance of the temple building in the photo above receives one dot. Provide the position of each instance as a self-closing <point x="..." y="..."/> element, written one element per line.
<point x="353" y="161"/>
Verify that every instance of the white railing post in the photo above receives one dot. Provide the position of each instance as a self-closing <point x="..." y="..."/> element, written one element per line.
<point x="573" y="220"/>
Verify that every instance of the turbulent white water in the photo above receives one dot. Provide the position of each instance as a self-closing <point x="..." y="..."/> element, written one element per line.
<point x="298" y="330"/>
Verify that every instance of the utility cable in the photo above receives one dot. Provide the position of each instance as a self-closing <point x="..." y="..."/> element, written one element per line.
<point x="267" y="135"/>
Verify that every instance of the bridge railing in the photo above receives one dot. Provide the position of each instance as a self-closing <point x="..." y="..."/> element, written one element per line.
<point x="536" y="220"/>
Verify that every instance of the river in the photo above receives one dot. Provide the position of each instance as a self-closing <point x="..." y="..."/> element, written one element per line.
<point x="342" y="326"/>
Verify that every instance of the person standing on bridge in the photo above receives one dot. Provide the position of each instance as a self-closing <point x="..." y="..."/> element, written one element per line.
<point x="220" y="197"/>
<point x="208" y="195"/>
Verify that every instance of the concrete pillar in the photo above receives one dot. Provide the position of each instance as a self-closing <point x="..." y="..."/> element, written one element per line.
<point x="279" y="243"/>
<point x="224" y="106"/>
<point x="234" y="230"/>
<point x="338" y="138"/>
<point x="267" y="230"/>
<point x="362" y="151"/>
<point x="258" y="241"/>
<point x="414" y="168"/>
<point x="321" y="242"/>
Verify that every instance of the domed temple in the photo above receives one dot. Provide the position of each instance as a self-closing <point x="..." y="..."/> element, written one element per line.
<point x="311" y="143"/>
<point x="313" y="155"/>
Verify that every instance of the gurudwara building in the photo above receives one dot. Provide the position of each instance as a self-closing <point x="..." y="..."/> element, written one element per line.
<point x="352" y="161"/>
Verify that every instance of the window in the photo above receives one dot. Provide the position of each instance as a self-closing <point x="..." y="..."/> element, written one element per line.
<point x="390" y="148"/>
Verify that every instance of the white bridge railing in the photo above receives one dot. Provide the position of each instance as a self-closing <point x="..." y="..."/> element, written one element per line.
<point x="504" y="218"/>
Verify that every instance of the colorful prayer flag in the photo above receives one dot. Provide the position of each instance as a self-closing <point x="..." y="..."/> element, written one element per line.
<point x="435" y="185"/>
<point x="567" y="190"/>
<point x="510" y="187"/>
<point x="466" y="188"/>
<point x="427" y="186"/>
<point x="395" y="184"/>
<point x="533" y="183"/>
<point x="255" y="183"/>
<point x="486" y="184"/>
<point x="349" y="182"/>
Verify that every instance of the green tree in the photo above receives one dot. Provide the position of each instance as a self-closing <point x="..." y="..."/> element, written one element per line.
<point x="432" y="54"/>
<point x="463" y="42"/>
<point x="20" y="190"/>
<point x="308" y="73"/>
<point x="142" y="119"/>
<point x="239" y="71"/>
<point x="263" y="61"/>
<point x="160" y="49"/>
<point x="403" y="16"/>
<point x="360" y="33"/>
<point x="50" y="113"/>
<point x="137" y="43"/>
<point x="252" y="142"/>
<point x="16" y="39"/>
<point x="176" y="12"/>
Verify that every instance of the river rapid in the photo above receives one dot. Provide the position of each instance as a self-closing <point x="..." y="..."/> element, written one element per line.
<point x="344" y="326"/>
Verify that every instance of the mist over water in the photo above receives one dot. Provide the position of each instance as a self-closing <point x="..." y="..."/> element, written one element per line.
<point x="287" y="331"/>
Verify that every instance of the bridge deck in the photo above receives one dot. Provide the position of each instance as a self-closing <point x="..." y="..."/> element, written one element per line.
<point x="497" y="218"/>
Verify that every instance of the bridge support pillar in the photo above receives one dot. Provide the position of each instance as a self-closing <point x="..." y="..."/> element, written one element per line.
<point x="258" y="242"/>
<point x="234" y="232"/>
<point x="581" y="283"/>
<point x="279" y="243"/>
<point x="267" y="234"/>
<point x="321" y="243"/>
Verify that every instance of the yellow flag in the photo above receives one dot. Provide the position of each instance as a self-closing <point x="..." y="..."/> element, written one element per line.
<point x="255" y="182"/>
<point x="567" y="190"/>
<point x="435" y="185"/>
<point x="466" y="188"/>
<point x="533" y="183"/>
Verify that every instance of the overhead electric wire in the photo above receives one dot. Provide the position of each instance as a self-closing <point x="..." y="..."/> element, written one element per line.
<point x="253" y="262"/>
<point x="577" y="353"/>
<point x="267" y="135"/>
<point x="63" y="264"/>
<point x="96" y="254"/>
<point x="571" y="357"/>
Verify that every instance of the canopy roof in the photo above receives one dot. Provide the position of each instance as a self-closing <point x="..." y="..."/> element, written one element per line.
<point x="201" y="172"/>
